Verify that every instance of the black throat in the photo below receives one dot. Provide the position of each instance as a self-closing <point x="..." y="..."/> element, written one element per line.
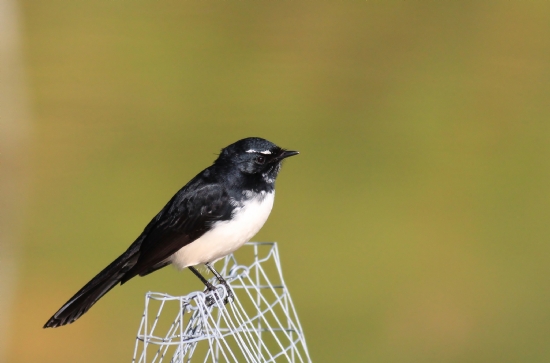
<point x="241" y="185"/>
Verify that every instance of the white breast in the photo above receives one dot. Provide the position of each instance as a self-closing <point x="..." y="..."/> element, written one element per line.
<point x="226" y="237"/>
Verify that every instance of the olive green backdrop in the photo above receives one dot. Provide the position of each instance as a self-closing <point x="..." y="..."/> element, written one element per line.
<point x="413" y="227"/>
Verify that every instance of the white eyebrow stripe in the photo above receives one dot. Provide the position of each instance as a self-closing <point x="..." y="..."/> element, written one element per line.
<point x="265" y="152"/>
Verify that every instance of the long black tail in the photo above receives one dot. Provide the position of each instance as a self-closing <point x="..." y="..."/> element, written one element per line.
<point x="84" y="299"/>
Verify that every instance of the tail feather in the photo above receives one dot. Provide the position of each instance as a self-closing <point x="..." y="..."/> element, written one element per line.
<point x="86" y="297"/>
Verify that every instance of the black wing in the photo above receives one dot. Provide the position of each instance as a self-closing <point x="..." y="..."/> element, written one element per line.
<point x="189" y="215"/>
<point x="186" y="217"/>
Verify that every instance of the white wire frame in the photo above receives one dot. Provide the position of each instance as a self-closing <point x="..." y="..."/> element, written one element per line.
<point x="259" y="325"/>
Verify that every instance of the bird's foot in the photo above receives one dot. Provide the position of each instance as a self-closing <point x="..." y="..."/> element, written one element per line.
<point x="214" y="297"/>
<point x="209" y="287"/>
<point x="229" y="297"/>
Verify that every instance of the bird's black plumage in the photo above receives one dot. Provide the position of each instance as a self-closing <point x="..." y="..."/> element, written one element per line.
<point x="244" y="170"/>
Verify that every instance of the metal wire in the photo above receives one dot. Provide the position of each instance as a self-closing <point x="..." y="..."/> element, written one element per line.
<point x="259" y="325"/>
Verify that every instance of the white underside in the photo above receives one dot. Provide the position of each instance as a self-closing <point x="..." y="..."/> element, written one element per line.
<point x="226" y="237"/>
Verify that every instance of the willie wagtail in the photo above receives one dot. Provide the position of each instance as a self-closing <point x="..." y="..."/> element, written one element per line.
<point x="213" y="215"/>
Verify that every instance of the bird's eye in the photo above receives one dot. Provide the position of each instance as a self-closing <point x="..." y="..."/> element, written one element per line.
<point x="260" y="160"/>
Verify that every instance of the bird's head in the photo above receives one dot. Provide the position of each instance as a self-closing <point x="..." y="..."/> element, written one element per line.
<point x="255" y="155"/>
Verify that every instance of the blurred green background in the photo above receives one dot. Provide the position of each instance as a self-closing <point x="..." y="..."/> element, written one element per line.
<point x="413" y="227"/>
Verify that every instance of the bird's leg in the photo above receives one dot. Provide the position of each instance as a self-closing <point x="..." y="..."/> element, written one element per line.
<point x="206" y="283"/>
<point x="222" y="281"/>
<point x="209" y="287"/>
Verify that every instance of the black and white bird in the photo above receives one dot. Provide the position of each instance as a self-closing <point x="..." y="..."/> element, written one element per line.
<point x="213" y="215"/>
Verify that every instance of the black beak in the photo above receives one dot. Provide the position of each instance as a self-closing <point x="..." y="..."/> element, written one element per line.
<point x="287" y="153"/>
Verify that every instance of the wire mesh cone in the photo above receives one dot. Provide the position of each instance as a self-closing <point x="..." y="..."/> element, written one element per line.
<point x="259" y="325"/>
